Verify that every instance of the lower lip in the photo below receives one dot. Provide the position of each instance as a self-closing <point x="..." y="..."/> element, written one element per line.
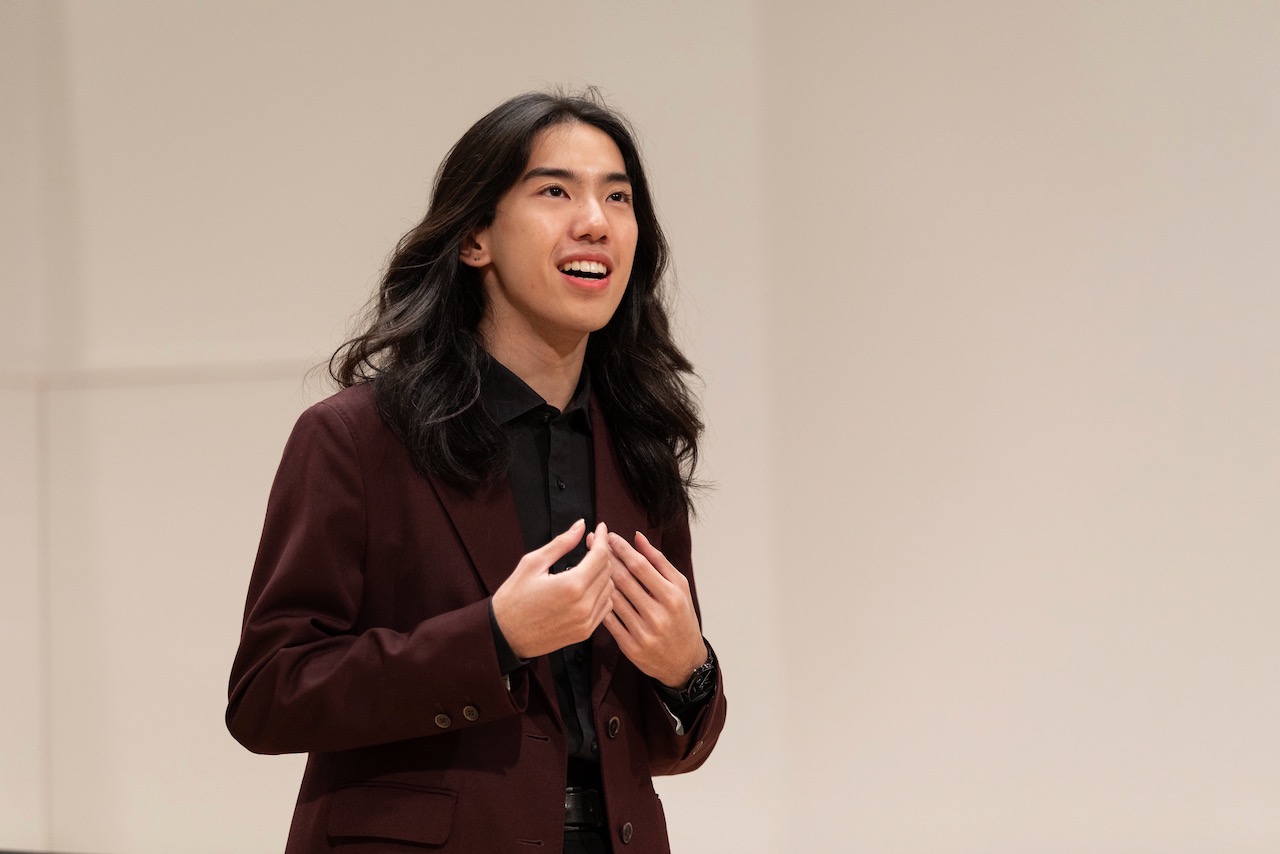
<point x="587" y="284"/>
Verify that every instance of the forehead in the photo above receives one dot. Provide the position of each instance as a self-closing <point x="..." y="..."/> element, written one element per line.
<point x="576" y="147"/>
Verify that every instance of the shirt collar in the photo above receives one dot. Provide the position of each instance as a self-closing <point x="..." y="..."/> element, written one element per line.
<point x="506" y="397"/>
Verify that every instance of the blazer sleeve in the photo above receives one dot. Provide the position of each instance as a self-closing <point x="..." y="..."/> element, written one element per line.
<point x="670" y="753"/>
<point x="307" y="676"/>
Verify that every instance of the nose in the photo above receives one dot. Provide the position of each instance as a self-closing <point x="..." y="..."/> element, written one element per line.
<point x="591" y="224"/>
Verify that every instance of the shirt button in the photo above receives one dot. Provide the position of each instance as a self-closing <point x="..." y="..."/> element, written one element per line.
<point x="595" y="747"/>
<point x="560" y="484"/>
<point x="443" y="721"/>
<point x="626" y="833"/>
<point x="471" y="713"/>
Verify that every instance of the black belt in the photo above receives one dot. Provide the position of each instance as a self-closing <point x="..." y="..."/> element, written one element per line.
<point x="582" y="808"/>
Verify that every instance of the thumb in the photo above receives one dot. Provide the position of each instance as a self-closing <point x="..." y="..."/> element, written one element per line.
<point x="559" y="546"/>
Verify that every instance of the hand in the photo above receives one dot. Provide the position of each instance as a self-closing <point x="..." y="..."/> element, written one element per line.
<point x="653" y="619"/>
<point x="538" y="612"/>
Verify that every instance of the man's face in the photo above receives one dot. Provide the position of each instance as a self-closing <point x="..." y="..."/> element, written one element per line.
<point x="556" y="259"/>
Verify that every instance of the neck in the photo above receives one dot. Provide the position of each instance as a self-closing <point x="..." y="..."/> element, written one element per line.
<point x="550" y="371"/>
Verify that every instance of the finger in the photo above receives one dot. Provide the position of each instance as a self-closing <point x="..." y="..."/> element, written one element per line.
<point x="658" y="559"/>
<point x="637" y="596"/>
<point x="604" y="605"/>
<point x="625" y="611"/>
<point x="598" y="558"/>
<point x="559" y="545"/>
<point x="640" y="566"/>
<point x="602" y="579"/>
<point x="620" y="634"/>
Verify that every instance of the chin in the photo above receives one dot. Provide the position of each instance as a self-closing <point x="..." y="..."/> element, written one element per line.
<point x="585" y="324"/>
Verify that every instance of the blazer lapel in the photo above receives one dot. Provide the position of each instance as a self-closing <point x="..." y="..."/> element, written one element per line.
<point x="486" y="521"/>
<point x="622" y="515"/>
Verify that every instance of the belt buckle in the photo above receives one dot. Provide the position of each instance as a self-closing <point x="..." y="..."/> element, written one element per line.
<point x="582" y="808"/>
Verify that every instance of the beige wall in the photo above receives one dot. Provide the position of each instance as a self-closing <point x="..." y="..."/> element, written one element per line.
<point x="1029" y="326"/>
<point x="984" y="297"/>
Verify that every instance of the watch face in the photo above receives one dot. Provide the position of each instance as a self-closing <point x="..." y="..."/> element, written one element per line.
<point x="702" y="682"/>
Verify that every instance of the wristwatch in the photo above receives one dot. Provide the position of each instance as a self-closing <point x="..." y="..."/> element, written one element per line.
<point x="702" y="682"/>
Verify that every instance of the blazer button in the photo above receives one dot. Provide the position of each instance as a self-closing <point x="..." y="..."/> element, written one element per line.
<point x="626" y="833"/>
<point x="443" y="721"/>
<point x="614" y="724"/>
<point x="471" y="713"/>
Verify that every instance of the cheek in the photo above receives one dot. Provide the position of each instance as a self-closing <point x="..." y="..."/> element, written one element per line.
<point x="631" y="260"/>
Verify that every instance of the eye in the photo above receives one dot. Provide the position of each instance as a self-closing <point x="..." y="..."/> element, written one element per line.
<point x="555" y="192"/>
<point x="620" y="196"/>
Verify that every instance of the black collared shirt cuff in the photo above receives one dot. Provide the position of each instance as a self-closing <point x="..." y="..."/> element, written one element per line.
<point x="508" y="661"/>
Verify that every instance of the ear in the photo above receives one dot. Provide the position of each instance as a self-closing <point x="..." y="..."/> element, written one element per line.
<point x="474" y="251"/>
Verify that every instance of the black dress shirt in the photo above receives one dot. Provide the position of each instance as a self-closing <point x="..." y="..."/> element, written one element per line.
<point x="551" y="477"/>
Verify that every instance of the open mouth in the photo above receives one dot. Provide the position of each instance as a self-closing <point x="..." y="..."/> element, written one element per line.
<point x="585" y="270"/>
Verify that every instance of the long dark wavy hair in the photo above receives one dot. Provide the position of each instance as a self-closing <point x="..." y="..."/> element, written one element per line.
<point x="422" y="347"/>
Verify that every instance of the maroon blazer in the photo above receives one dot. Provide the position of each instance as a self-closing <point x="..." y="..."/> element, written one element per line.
<point x="367" y="644"/>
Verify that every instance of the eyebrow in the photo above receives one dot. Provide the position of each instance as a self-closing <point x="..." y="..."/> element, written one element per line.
<point x="571" y="176"/>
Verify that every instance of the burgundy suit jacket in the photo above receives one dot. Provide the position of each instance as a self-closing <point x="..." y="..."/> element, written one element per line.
<point x="367" y="644"/>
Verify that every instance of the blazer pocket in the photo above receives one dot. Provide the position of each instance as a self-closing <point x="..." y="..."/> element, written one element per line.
<point x="390" y="811"/>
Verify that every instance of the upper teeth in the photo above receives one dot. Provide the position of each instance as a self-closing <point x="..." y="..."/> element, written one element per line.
<point x="585" y="267"/>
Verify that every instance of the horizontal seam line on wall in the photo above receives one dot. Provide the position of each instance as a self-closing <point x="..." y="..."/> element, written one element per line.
<point x="159" y="375"/>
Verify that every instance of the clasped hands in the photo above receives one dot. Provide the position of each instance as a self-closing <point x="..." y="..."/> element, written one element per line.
<point x="642" y="600"/>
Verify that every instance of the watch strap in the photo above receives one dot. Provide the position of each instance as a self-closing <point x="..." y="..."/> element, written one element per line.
<point x="702" y="682"/>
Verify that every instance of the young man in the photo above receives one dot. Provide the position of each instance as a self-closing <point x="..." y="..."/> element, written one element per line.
<point x="473" y="603"/>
